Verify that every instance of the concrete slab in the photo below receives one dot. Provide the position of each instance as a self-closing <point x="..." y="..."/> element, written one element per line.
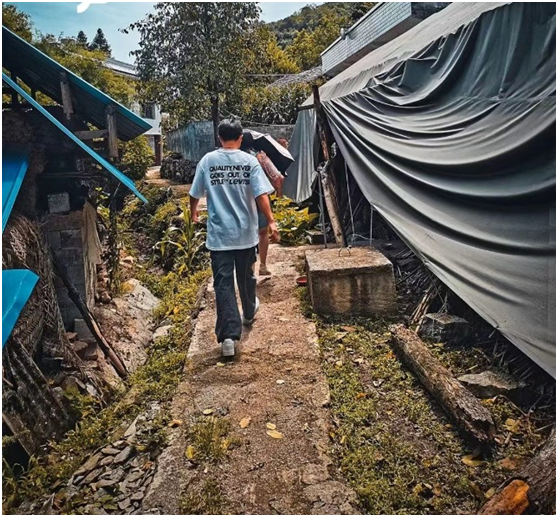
<point x="359" y="282"/>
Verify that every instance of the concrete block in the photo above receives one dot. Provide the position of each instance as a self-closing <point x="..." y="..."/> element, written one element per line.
<point x="53" y="239"/>
<point x="445" y="328"/>
<point x="58" y="203"/>
<point x="76" y="274"/>
<point x="71" y="238"/>
<point x="70" y="256"/>
<point x="58" y="222"/>
<point x="82" y="330"/>
<point x="359" y="282"/>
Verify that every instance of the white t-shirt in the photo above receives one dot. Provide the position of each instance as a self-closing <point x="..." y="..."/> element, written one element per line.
<point x="232" y="180"/>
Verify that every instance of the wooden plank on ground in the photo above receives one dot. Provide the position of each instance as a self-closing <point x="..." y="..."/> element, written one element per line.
<point x="472" y="418"/>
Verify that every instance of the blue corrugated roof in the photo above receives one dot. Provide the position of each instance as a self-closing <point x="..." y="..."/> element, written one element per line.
<point x="14" y="167"/>
<point x="107" y="165"/>
<point x="17" y="286"/>
<point x="41" y="73"/>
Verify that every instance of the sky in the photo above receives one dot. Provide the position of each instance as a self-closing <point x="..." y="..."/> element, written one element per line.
<point x="62" y="17"/>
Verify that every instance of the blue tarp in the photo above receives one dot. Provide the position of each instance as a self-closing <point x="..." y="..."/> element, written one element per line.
<point x="17" y="286"/>
<point x="107" y="165"/>
<point x="14" y="166"/>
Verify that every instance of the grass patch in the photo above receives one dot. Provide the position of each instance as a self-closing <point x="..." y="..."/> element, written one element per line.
<point x="205" y="500"/>
<point x="155" y="381"/>
<point x="392" y="442"/>
<point x="209" y="439"/>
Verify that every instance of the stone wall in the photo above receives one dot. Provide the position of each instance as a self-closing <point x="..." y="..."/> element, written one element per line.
<point x="66" y="234"/>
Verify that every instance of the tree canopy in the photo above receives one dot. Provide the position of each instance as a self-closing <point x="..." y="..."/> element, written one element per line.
<point x="100" y="43"/>
<point x="310" y="17"/>
<point x="82" y="39"/>
<point x="193" y="56"/>
<point x="17" y="21"/>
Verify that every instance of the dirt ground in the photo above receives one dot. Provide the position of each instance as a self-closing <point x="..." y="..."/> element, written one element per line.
<point x="212" y="463"/>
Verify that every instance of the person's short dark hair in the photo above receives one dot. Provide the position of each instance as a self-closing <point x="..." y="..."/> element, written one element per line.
<point x="230" y="130"/>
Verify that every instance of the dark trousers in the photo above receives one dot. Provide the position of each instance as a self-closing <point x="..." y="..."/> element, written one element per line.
<point x="224" y="263"/>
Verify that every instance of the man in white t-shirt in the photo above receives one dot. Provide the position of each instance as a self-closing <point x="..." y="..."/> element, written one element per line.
<point x="236" y="187"/>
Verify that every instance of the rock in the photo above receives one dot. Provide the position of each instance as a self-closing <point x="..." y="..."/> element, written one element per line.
<point x="79" y="346"/>
<point x="140" y="297"/>
<point x="100" y="493"/>
<point x="89" y="465"/>
<point x="71" y="383"/>
<point x="489" y="384"/>
<point x="81" y="329"/>
<point x="124" y="456"/>
<point x="105" y="462"/>
<point x="105" y="483"/>
<point x="91" y="390"/>
<point x="91" y="353"/>
<point x="110" y="451"/>
<point x="125" y="504"/>
<point x="445" y="328"/>
<point x="132" y="429"/>
<point x="161" y="332"/>
<point x="92" y="476"/>
<point x="138" y="496"/>
<point x="134" y="476"/>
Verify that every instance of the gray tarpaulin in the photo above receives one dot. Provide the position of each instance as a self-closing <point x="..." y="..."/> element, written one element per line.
<point x="303" y="147"/>
<point x="453" y="142"/>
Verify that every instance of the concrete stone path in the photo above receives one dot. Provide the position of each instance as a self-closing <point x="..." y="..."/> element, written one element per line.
<point x="276" y="378"/>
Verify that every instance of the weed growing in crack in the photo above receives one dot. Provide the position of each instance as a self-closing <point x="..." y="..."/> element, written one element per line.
<point x="208" y="499"/>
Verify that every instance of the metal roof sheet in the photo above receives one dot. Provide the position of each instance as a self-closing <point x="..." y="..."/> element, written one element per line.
<point x="107" y="165"/>
<point x="14" y="166"/>
<point x="42" y="73"/>
<point x="17" y="286"/>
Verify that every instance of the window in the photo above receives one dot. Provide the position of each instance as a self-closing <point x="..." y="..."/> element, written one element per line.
<point x="148" y="111"/>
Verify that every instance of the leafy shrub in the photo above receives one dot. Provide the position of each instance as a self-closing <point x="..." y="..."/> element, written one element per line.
<point x="183" y="245"/>
<point x="136" y="157"/>
<point x="274" y="105"/>
<point x="293" y="223"/>
<point x="162" y="219"/>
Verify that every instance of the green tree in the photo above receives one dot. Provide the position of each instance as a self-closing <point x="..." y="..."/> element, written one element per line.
<point x="88" y="64"/>
<point x="17" y="21"/>
<point x="269" y="57"/>
<point x="82" y="39"/>
<point x="195" y="55"/>
<point x="307" y="45"/>
<point x="100" y="43"/>
<point x="136" y="157"/>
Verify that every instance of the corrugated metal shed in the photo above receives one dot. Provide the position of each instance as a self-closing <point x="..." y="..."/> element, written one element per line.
<point x="41" y="73"/>
<point x="107" y="165"/>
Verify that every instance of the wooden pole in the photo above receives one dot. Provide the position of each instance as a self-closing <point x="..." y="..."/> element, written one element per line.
<point x="112" y="131"/>
<point x="472" y="418"/>
<point x="66" y="90"/>
<point x="326" y="173"/>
